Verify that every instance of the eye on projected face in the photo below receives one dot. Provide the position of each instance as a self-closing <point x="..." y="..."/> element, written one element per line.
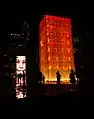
<point x="20" y="64"/>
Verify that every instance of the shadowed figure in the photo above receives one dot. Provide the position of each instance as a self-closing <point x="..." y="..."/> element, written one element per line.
<point x="23" y="78"/>
<point x="58" y="77"/>
<point x="41" y="77"/>
<point x="72" y="77"/>
<point x="18" y="76"/>
<point x="24" y="84"/>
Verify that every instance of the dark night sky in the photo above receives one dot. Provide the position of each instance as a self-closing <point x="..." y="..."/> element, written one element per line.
<point x="13" y="17"/>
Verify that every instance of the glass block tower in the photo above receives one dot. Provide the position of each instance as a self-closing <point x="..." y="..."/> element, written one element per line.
<point x="56" y="49"/>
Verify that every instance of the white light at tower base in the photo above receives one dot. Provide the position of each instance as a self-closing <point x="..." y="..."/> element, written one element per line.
<point x="21" y="76"/>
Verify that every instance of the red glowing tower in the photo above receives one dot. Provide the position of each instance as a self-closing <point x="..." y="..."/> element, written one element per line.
<point x="56" y="49"/>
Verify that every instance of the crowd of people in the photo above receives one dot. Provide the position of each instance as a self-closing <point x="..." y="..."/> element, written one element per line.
<point x="19" y="82"/>
<point x="21" y="79"/>
<point x="72" y="77"/>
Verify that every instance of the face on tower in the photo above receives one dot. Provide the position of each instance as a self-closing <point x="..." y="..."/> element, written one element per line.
<point x="20" y="64"/>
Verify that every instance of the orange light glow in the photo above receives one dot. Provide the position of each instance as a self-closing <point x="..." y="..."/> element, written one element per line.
<point x="56" y="53"/>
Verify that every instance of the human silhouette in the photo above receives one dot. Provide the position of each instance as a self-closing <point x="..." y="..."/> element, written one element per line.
<point x="23" y="78"/>
<point x="40" y="77"/>
<point x="58" y="77"/>
<point x="72" y="77"/>
<point x="43" y="78"/>
<point x="18" y="81"/>
<point x="20" y="76"/>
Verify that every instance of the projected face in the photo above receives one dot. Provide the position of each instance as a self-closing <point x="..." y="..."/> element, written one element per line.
<point x="20" y="64"/>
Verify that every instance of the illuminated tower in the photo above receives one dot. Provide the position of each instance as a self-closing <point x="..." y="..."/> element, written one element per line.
<point x="17" y="50"/>
<point x="56" y="49"/>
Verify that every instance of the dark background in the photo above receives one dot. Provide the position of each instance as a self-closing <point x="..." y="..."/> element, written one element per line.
<point x="13" y="15"/>
<point x="82" y="15"/>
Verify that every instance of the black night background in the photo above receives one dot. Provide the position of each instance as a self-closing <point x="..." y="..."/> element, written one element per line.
<point x="82" y="16"/>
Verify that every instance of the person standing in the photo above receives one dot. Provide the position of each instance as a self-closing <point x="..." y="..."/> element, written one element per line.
<point x="58" y="75"/>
